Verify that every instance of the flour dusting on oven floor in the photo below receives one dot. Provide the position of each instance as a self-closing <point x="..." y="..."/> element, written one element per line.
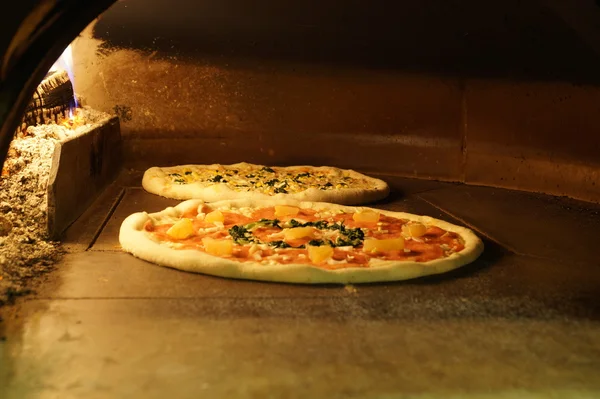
<point x="25" y="248"/>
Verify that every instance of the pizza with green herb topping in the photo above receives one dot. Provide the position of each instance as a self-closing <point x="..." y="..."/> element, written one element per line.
<point x="298" y="242"/>
<point x="243" y="180"/>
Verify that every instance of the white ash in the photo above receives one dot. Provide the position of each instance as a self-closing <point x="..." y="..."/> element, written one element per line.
<point x="25" y="249"/>
<point x="87" y="119"/>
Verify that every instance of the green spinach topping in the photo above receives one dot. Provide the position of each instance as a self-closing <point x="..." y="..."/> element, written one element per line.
<point x="282" y="244"/>
<point x="350" y="237"/>
<point x="241" y="235"/>
<point x="320" y="224"/>
<point x="177" y="178"/>
<point x="299" y="176"/>
<point x="217" y="179"/>
<point x="318" y="243"/>
<point x="281" y="189"/>
<point x="267" y="169"/>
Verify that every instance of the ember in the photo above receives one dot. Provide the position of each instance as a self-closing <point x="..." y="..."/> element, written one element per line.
<point x="75" y="119"/>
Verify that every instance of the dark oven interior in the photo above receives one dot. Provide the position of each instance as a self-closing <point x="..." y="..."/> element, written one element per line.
<point x="483" y="114"/>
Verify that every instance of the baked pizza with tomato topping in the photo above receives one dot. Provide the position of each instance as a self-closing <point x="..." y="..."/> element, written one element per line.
<point x="297" y="242"/>
<point x="244" y="180"/>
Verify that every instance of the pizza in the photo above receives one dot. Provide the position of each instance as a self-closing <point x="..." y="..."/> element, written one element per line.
<point x="244" y="180"/>
<point x="297" y="241"/>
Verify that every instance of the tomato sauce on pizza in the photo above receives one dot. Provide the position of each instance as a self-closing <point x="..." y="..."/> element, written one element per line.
<point x="283" y="234"/>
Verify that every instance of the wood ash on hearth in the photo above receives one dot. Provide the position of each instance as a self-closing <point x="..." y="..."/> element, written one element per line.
<point x="25" y="248"/>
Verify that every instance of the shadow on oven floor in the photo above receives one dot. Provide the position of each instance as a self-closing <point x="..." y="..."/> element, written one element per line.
<point x="522" y="321"/>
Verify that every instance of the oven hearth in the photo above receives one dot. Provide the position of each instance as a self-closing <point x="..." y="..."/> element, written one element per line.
<point x="526" y="310"/>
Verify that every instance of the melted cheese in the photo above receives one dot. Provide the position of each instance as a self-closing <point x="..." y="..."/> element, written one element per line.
<point x="266" y="180"/>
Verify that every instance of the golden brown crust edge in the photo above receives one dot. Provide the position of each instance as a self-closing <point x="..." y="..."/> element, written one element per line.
<point x="135" y="241"/>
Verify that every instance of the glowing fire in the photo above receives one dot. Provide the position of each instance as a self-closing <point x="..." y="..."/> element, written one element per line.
<point x="65" y="62"/>
<point x="74" y="120"/>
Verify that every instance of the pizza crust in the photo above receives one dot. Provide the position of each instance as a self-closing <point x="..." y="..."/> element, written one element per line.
<point x="134" y="240"/>
<point x="157" y="181"/>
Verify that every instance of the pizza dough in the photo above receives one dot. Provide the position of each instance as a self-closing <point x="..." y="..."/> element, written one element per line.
<point x="375" y="245"/>
<point x="243" y="180"/>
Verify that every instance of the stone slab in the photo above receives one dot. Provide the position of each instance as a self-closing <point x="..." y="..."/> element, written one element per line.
<point x="81" y="168"/>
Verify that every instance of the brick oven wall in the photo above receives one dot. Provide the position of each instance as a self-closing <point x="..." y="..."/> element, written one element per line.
<point x="504" y="93"/>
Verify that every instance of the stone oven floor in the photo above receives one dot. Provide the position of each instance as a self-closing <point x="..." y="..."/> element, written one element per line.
<point x="522" y="321"/>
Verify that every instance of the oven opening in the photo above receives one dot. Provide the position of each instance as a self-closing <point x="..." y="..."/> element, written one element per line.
<point x="481" y="116"/>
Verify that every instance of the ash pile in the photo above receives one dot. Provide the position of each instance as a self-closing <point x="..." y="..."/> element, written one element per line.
<point x="26" y="251"/>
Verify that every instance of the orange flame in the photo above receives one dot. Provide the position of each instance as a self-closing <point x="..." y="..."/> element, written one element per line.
<point x="74" y="120"/>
